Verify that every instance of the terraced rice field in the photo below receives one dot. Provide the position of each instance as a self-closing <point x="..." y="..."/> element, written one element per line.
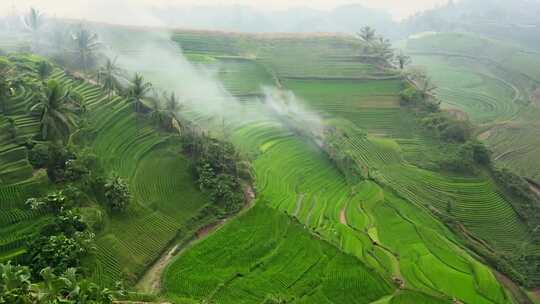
<point x="517" y="143"/>
<point x="484" y="98"/>
<point x="492" y="82"/>
<point x="286" y="56"/>
<point x="18" y="181"/>
<point x="14" y="165"/>
<point x="315" y="193"/>
<point x="372" y="105"/>
<point x="165" y="196"/>
<point x="276" y="258"/>
<point x="508" y="55"/>
<point x="366" y="221"/>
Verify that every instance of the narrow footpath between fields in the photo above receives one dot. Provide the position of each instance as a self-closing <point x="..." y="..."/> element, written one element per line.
<point x="150" y="282"/>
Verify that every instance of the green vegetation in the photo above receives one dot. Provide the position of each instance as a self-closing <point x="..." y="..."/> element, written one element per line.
<point x="368" y="220"/>
<point x="275" y="258"/>
<point x="133" y="220"/>
<point x="117" y="193"/>
<point x="16" y="286"/>
<point x="492" y="82"/>
<point x="369" y="188"/>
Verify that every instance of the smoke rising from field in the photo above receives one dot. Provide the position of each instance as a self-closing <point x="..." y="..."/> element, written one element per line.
<point x="292" y="111"/>
<point x="154" y="54"/>
<point x="162" y="62"/>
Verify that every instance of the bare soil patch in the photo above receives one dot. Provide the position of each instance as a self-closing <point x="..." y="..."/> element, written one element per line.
<point x="536" y="97"/>
<point x="485" y="135"/>
<point x="151" y="281"/>
<point x="535" y="187"/>
<point x="343" y="216"/>
<point x="206" y="230"/>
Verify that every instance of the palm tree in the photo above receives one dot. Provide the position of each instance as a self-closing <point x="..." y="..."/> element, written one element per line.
<point x="33" y="22"/>
<point x="382" y="48"/>
<point x="57" y="108"/>
<point x="86" y="47"/>
<point x="44" y="70"/>
<point x="367" y="34"/>
<point x="426" y="88"/>
<point x="172" y="107"/>
<point x="402" y="60"/>
<point x="59" y="44"/>
<point x="138" y="90"/>
<point x="157" y="113"/>
<point x="172" y="103"/>
<point x="108" y="76"/>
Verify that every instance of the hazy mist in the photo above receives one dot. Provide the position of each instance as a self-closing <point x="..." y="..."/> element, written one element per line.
<point x="233" y="15"/>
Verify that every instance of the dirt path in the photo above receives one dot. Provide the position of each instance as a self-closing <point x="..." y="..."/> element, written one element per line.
<point x="485" y="135"/>
<point x="534" y="187"/>
<point x="84" y="77"/>
<point x="536" y="190"/>
<point x="150" y="282"/>
<point x="343" y="216"/>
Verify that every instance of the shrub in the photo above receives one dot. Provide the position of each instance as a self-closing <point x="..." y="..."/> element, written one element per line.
<point x="245" y="171"/>
<point x="481" y="154"/>
<point x="117" y="194"/>
<point x="54" y="202"/>
<point x="67" y="223"/>
<point x="455" y="132"/>
<point x="38" y="155"/>
<point x="227" y="191"/>
<point x="75" y="169"/>
<point x="410" y="96"/>
<point x="513" y="183"/>
<point x="15" y="285"/>
<point x="58" y="251"/>
<point x="459" y="162"/>
<point x="56" y="163"/>
<point x="206" y="175"/>
<point x="338" y="150"/>
<point x="467" y="158"/>
<point x="93" y="217"/>
<point x="447" y="128"/>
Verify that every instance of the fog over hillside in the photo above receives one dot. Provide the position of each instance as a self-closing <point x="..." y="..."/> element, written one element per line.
<point x="514" y="20"/>
<point x="301" y="19"/>
<point x="234" y="15"/>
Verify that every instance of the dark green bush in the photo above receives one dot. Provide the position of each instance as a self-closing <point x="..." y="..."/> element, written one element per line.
<point x="117" y="193"/>
<point x="56" y="163"/>
<point x="55" y="202"/>
<point x="58" y="252"/>
<point x="38" y="155"/>
<point x="410" y="96"/>
<point x="447" y="128"/>
<point x="66" y="223"/>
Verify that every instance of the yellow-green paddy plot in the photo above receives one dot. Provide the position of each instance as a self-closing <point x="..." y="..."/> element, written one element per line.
<point x="390" y="235"/>
<point x="371" y="104"/>
<point x="264" y="256"/>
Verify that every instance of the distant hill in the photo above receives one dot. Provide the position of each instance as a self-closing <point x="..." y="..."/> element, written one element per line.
<point x="515" y="20"/>
<point x="348" y="18"/>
